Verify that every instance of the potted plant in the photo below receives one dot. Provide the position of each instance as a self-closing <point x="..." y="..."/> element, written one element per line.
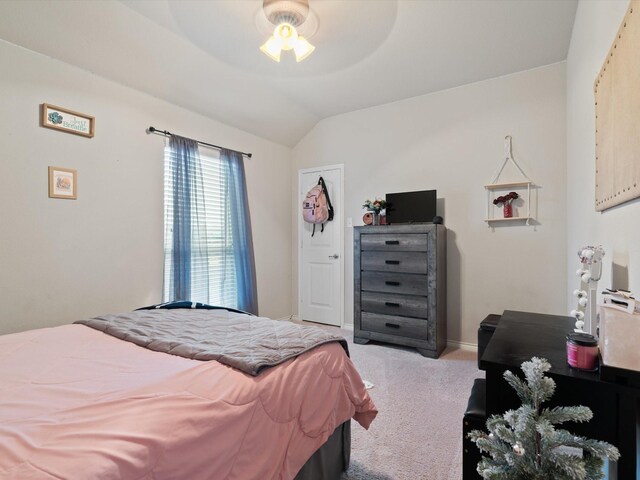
<point x="506" y="200"/>
<point x="524" y="444"/>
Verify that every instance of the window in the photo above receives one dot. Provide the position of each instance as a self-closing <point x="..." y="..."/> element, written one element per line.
<point x="213" y="268"/>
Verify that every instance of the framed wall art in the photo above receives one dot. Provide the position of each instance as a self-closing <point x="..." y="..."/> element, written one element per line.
<point x="65" y="120"/>
<point x="63" y="183"/>
<point x="617" y="103"/>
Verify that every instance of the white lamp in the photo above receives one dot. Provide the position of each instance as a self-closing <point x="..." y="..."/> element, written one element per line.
<point x="286" y="15"/>
<point x="303" y="49"/>
<point x="272" y="48"/>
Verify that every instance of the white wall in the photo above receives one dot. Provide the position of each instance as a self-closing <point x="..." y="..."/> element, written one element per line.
<point x="616" y="229"/>
<point x="61" y="260"/>
<point x="453" y="141"/>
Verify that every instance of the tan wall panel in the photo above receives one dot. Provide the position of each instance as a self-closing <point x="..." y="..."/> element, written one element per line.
<point x="618" y="117"/>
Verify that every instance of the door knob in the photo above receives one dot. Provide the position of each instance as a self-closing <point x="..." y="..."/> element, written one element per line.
<point x="334" y="256"/>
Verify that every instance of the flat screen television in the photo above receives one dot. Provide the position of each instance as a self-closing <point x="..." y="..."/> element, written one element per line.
<point x="411" y="207"/>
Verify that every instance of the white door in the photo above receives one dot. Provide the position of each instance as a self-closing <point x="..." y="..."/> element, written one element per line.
<point x="320" y="259"/>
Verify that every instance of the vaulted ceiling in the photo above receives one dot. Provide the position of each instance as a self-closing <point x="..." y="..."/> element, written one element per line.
<point x="203" y="55"/>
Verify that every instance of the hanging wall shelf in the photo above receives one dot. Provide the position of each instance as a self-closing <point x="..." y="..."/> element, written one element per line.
<point x="516" y="186"/>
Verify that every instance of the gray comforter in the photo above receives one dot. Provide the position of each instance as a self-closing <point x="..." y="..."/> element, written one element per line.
<point x="241" y="341"/>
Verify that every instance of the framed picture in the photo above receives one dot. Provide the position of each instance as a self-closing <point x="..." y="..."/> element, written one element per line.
<point x="617" y="118"/>
<point x="63" y="183"/>
<point x="67" y="120"/>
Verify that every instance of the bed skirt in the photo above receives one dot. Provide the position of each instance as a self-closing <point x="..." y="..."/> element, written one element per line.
<point x="331" y="459"/>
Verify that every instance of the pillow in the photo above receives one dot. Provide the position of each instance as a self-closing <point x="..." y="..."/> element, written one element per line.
<point x="195" y="305"/>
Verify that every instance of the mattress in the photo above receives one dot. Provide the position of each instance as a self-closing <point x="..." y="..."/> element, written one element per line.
<point x="78" y="404"/>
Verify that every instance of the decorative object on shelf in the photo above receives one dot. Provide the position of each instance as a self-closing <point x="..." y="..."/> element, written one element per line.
<point x="377" y="205"/>
<point x="287" y="16"/>
<point x="617" y="117"/>
<point x="589" y="272"/>
<point x="65" y="120"/>
<point x="370" y="218"/>
<point x="524" y="443"/>
<point x="63" y="183"/>
<point x="506" y="200"/>
<point x="374" y="208"/>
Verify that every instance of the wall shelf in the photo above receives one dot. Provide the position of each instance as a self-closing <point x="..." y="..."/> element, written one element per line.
<point x="489" y="220"/>
<point x="494" y="186"/>
<point x="498" y="186"/>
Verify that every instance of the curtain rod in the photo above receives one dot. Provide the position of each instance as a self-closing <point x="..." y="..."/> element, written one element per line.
<point x="167" y="133"/>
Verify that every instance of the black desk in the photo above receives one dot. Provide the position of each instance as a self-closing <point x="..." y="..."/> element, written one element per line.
<point x="522" y="335"/>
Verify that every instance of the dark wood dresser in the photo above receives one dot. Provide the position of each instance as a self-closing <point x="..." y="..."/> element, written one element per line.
<point x="615" y="402"/>
<point x="400" y="282"/>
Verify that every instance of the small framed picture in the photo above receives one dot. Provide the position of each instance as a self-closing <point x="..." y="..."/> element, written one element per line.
<point x="66" y="120"/>
<point x="63" y="183"/>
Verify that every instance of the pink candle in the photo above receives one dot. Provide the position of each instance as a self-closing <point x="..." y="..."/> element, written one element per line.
<point x="582" y="351"/>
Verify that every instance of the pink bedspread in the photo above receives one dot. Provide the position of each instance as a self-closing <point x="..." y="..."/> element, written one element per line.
<point x="78" y="404"/>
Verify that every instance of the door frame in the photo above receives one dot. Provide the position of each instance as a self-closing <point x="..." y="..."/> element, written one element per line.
<point x="339" y="208"/>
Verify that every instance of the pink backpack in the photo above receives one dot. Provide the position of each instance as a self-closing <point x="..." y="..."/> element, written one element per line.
<point x="316" y="207"/>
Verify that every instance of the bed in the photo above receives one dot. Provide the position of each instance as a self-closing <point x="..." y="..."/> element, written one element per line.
<point x="78" y="403"/>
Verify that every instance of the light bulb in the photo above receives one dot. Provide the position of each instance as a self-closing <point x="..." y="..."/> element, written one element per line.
<point x="303" y="49"/>
<point x="287" y="34"/>
<point x="285" y="37"/>
<point x="272" y="48"/>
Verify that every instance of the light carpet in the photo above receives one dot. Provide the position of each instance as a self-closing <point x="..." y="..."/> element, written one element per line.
<point x="417" y="434"/>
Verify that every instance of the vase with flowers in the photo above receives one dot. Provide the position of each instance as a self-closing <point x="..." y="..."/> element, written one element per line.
<point x="375" y="206"/>
<point x="506" y="200"/>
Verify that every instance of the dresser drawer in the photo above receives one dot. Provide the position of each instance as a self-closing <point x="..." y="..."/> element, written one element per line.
<point x="405" y="283"/>
<point x="399" y="242"/>
<point x="391" y="325"/>
<point x="391" y="304"/>
<point x="397" y="262"/>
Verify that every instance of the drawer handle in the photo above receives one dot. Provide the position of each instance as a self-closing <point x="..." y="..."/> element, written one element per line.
<point x="392" y="242"/>
<point x="392" y="325"/>
<point x="392" y="284"/>
<point x="391" y="304"/>
<point x="392" y="262"/>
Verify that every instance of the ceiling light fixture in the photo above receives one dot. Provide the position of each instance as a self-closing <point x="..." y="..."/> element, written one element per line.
<point x="286" y="15"/>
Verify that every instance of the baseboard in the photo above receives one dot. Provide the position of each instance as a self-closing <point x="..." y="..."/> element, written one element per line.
<point x="470" y="347"/>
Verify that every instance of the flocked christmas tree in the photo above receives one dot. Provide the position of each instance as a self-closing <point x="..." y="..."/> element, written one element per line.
<point x="523" y="444"/>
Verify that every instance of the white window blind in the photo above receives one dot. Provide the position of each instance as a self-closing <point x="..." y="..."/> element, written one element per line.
<point x="217" y="284"/>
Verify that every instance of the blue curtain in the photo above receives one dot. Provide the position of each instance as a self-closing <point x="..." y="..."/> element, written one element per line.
<point x="239" y="221"/>
<point x="185" y="225"/>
